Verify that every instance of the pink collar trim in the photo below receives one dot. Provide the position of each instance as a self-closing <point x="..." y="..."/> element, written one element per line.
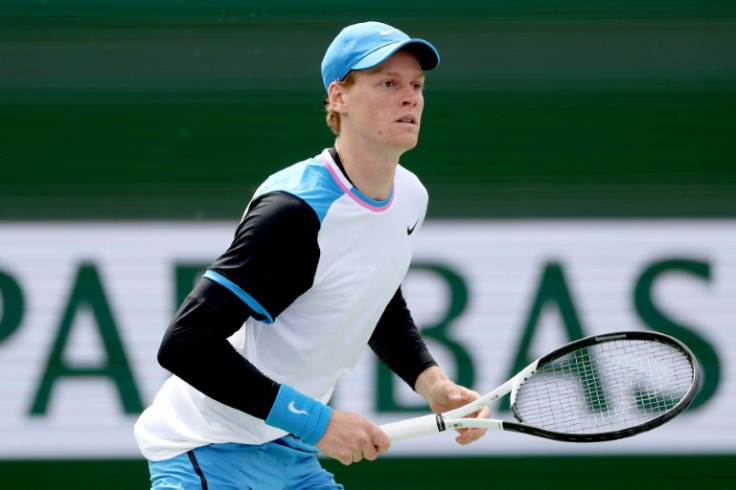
<point x="352" y="191"/>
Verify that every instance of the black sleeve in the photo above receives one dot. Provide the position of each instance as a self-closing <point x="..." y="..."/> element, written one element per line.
<point x="195" y="348"/>
<point x="397" y="342"/>
<point x="275" y="252"/>
<point x="272" y="258"/>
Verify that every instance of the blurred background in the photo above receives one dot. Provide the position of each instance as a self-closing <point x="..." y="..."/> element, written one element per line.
<point x="541" y="112"/>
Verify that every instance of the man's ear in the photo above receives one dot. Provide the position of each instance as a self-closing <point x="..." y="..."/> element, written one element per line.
<point x="336" y="97"/>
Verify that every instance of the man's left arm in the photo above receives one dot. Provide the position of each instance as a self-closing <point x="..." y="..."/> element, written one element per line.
<point x="397" y="342"/>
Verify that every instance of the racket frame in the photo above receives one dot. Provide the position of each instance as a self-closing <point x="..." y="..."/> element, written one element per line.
<point x="457" y="418"/>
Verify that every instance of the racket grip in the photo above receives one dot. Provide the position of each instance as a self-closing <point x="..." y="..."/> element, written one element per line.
<point x="415" y="427"/>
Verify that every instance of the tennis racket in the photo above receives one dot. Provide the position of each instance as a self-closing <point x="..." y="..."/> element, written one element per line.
<point x="598" y="388"/>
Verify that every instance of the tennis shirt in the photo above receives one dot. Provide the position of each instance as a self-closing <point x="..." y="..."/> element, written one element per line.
<point x="317" y="289"/>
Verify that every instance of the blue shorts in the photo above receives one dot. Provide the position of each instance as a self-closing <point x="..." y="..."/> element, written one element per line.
<point x="285" y="463"/>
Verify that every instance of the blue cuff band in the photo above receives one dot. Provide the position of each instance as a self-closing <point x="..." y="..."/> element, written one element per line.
<point x="299" y="414"/>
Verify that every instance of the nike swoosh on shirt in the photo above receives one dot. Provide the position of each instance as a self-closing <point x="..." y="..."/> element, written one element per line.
<point x="293" y="409"/>
<point x="409" y="231"/>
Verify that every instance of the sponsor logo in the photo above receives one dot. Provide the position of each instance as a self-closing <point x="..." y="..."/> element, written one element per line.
<point x="293" y="409"/>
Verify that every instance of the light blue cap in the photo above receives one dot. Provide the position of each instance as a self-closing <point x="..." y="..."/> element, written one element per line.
<point x="368" y="44"/>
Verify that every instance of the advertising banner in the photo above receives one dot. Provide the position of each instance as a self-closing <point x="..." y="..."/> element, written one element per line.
<point x="83" y="307"/>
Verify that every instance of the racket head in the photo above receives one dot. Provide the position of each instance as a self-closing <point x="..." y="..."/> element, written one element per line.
<point x="606" y="387"/>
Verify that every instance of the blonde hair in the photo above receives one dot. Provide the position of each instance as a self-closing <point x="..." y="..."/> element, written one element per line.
<point x="332" y="116"/>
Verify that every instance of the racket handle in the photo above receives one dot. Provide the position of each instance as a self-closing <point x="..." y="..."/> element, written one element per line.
<point x="415" y="427"/>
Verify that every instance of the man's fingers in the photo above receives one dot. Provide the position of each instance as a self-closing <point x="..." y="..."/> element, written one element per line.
<point x="467" y="436"/>
<point x="369" y="452"/>
<point x="351" y="438"/>
<point x="383" y="448"/>
<point x="381" y="441"/>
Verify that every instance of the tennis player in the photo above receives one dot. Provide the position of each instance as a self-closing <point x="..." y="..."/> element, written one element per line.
<point x="312" y="276"/>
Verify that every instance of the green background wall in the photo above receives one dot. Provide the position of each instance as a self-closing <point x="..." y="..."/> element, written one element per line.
<point x="173" y="110"/>
<point x="540" y="109"/>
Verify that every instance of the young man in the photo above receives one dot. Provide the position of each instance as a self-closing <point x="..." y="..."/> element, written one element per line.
<point x="313" y="276"/>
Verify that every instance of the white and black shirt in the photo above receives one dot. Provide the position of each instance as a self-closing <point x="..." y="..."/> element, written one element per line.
<point x="312" y="276"/>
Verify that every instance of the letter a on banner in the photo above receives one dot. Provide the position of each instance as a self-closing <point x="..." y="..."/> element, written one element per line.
<point x="88" y="292"/>
<point x="552" y="289"/>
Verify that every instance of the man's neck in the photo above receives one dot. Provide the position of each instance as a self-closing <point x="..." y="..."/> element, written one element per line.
<point x="371" y="172"/>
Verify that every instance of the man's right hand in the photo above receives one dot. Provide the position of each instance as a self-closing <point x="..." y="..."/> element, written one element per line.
<point x="350" y="437"/>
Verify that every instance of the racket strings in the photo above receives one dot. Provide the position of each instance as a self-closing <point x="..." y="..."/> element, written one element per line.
<point x="605" y="387"/>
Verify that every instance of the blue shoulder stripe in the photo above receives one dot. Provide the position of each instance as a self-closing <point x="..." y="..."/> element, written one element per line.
<point x="235" y="289"/>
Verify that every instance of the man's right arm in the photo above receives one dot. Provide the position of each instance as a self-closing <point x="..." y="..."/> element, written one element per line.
<point x="195" y="348"/>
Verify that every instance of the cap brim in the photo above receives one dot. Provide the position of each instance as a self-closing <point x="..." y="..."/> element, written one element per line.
<point x="427" y="55"/>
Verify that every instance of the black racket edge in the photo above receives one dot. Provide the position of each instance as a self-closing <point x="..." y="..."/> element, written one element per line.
<point x="617" y="434"/>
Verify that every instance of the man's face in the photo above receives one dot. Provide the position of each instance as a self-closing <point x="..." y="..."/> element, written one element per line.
<point x="384" y="105"/>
